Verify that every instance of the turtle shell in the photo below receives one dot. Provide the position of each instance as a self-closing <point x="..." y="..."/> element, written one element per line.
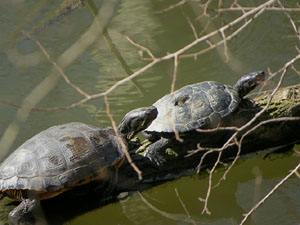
<point x="59" y="158"/>
<point x="194" y="106"/>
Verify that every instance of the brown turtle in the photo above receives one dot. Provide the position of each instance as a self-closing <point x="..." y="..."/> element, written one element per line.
<point x="65" y="156"/>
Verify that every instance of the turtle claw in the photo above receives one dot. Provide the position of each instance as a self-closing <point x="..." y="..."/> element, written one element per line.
<point x="159" y="161"/>
<point x="156" y="159"/>
<point x="155" y="152"/>
<point x="22" y="214"/>
<point x="29" y="205"/>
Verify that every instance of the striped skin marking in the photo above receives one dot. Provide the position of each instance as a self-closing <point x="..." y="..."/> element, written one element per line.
<point x="14" y="194"/>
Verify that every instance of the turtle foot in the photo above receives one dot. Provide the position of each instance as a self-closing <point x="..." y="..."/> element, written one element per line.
<point x="155" y="152"/>
<point x="22" y="214"/>
<point x="156" y="159"/>
<point x="143" y="159"/>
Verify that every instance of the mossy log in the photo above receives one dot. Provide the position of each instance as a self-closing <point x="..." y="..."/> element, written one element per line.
<point x="277" y="127"/>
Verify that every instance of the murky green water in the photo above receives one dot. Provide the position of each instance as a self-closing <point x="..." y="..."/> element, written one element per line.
<point x="268" y="42"/>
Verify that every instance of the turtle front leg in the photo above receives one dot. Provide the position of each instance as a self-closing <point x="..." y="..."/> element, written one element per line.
<point x="156" y="151"/>
<point x="22" y="214"/>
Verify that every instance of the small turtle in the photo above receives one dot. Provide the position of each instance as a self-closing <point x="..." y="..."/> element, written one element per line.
<point x="202" y="105"/>
<point x="66" y="156"/>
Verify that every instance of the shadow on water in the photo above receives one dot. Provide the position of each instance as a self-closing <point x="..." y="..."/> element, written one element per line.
<point x="67" y="206"/>
<point x="250" y="179"/>
<point x="156" y="202"/>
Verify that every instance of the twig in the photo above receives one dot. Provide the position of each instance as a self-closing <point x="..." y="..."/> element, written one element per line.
<point x="270" y="193"/>
<point x="205" y="27"/>
<point x="184" y="207"/>
<point x="225" y="46"/>
<point x="288" y="64"/>
<point x="121" y="140"/>
<point x="246" y="134"/>
<point x="291" y="20"/>
<point x="192" y="27"/>
<point x="233" y="137"/>
<point x="171" y="7"/>
<point x="178" y="53"/>
<point x="41" y="90"/>
<point x="205" y="8"/>
<point x="294" y="68"/>
<point x="227" y="38"/>
<point x="199" y="148"/>
<point x="143" y="48"/>
<point x="59" y="69"/>
<point x="174" y="73"/>
<point x="250" y="8"/>
<point x="205" y="208"/>
<point x="172" y="216"/>
<point x="203" y="157"/>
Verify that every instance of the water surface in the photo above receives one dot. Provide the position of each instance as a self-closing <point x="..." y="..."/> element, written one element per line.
<point x="268" y="42"/>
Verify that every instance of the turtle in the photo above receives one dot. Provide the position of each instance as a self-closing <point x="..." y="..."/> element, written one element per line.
<point x="66" y="156"/>
<point x="197" y="106"/>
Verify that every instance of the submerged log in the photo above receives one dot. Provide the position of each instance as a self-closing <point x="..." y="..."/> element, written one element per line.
<point x="277" y="127"/>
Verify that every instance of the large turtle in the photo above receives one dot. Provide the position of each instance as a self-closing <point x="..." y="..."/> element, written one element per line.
<point x="66" y="156"/>
<point x="202" y="105"/>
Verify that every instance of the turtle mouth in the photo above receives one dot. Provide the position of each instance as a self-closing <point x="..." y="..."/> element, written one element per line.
<point x="260" y="77"/>
<point x="131" y="135"/>
<point x="152" y="114"/>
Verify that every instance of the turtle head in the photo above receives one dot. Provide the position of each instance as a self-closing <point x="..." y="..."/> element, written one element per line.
<point x="248" y="82"/>
<point x="137" y="120"/>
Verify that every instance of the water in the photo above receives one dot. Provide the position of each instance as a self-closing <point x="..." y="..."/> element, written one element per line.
<point x="269" y="42"/>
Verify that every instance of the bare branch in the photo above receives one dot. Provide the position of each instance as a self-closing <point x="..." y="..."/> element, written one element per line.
<point x="205" y="208"/>
<point x="291" y="20"/>
<point x="60" y="70"/>
<point x="288" y="64"/>
<point x="184" y="207"/>
<point x="270" y="193"/>
<point x="121" y="140"/>
<point x="40" y="91"/>
<point x="174" y="73"/>
<point x="192" y="27"/>
<point x="225" y="46"/>
<point x="239" y="143"/>
<point x="228" y="38"/>
<point x="140" y="46"/>
<point x="294" y="68"/>
<point x="171" y="7"/>
<point x="227" y="33"/>
<point x="258" y="10"/>
<point x="232" y="140"/>
<point x="205" y="8"/>
<point x="250" y="8"/>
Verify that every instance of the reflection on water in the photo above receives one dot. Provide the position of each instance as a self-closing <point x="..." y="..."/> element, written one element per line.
<point x="228" y="202"/>
<point x="268" y="42"/>
<point x="117" y="58"/>
<point x="284" y="204"/>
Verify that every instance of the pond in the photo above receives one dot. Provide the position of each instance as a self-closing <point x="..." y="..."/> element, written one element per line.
<point x="95" y="63"/>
